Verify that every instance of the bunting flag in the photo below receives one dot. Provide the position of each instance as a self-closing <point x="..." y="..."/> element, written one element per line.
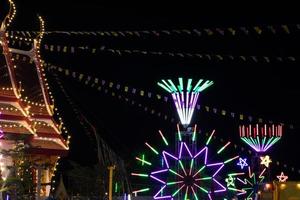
<point x="96" y="83"/>
<point x="105" y="88"/>
<point x="196" y="32"/>
<point x="201" y="56"/>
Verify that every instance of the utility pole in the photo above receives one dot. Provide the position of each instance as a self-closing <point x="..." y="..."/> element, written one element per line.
<point x="110" y="187"/>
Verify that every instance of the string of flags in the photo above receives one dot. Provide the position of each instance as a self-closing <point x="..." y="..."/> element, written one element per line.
<point x="198" y="32"/>
<point x="98" y="83"/>
<point x="106" y="88"/>
<point x="201" y="56"/>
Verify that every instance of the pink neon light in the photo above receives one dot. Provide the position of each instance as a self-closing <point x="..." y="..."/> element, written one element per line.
<point x="215" y="164"/>
<point x="205" y="158"/>
<point x="159" y="171"/>
<point x="165" y="158"/>
<point x="221" y="190"/>
<point x="180" y="151"/>
<point x="188" y="150"/>
<point x="161" y="197"/>
<point x="155" y="178"/>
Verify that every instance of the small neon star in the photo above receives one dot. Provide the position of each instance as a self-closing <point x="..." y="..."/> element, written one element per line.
<point x="230" y="181"/>
<point x="282" y="177"/>
<point x="265" y="160"/>
<point x="242" y="163"/>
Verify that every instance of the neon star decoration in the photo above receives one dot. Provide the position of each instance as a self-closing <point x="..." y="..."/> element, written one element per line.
<point x="265" y="160"/>
<point x="185" y="98"/>
<point x="282" y="178"/>
<point x="260" y="138"/>
<point x="242" y="163"/>
<point x="186" y="174"/>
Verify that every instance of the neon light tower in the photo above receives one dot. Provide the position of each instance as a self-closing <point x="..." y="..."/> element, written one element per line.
<point x="185" y="99"/>
<point x="260" y="138"/>
<point x="189" y="172"/>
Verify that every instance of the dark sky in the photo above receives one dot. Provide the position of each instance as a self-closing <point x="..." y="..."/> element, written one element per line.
<point x="267" y="90"/>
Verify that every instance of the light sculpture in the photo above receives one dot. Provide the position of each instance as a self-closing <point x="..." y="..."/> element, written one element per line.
<point x="192" y="173"/>
<point x="260" y="138"/>
<point x="185" y="97"/>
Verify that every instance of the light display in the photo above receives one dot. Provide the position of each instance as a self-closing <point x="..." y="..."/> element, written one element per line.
<point x="282" y="177"/>
<point x="265" y="160"/>
<point x="246" y="183"/>
<point x="242" y="163"/>
<point x="260" y="138"/>
<point x="188" y="173"/>
<point x="185" y="98"/>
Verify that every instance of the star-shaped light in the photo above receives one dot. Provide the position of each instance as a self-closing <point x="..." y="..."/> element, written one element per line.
<point x="265" y="160"/>
<point x="230" y="181"/>
<point x="242" y="163"/>
<point x="282" y="177"/>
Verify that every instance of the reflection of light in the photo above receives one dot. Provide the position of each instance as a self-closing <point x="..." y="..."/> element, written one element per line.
<point x="298" y="186"/>
<point x="282" y="186"/>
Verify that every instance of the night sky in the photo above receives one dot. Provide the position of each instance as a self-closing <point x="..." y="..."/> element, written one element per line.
<point x="266" y="90"/>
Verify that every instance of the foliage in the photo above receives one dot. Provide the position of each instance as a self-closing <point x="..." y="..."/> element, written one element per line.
<point x="19" y="183"/>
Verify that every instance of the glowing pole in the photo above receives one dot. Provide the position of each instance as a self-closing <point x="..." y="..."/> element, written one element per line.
<point x="110" y="187"/>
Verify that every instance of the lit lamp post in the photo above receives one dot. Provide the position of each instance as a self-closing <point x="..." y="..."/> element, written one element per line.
<point x="260" y="138"/>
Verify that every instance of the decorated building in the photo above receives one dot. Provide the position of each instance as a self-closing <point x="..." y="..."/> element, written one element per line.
<point x="29" y="123"/>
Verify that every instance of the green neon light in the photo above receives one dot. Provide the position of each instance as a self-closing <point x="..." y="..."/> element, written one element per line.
<point x="172" y="85"/>
<point x="194" y="134"/>
<point x="191" y="166"/>
<point x="180" y="84"/>
<point x="154" y="150"/>
<point x="177" y="191"/>
<point x="205" y="178"/>
<point x="172" y="183"/>
<point x="195" y="195"/>
<point x="201" y="188"/>
<point x="231" y="159"/>
<point x="172" y="171"/>
<point x="143" y="160"/>
<point x="116" y="187"/>
<point x="179" y="135"/>
<point x="182" y="167"/>
<point x="208" y="141"/>
<point x="141" y="175"/>
<point x="189" y="85"/>
<point x="199" y="170"/>
<point x="205" y="85"/>
<point x="164" y="139"/>
<point x="166" y="84"/>
<point x="196" y="86"/>
<point x="141" y="190"/>
<point x="235" y="174"/>
<point x="222" y="149"/>
<point x="186" y="193"/>
<point x="164" y="87"/>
